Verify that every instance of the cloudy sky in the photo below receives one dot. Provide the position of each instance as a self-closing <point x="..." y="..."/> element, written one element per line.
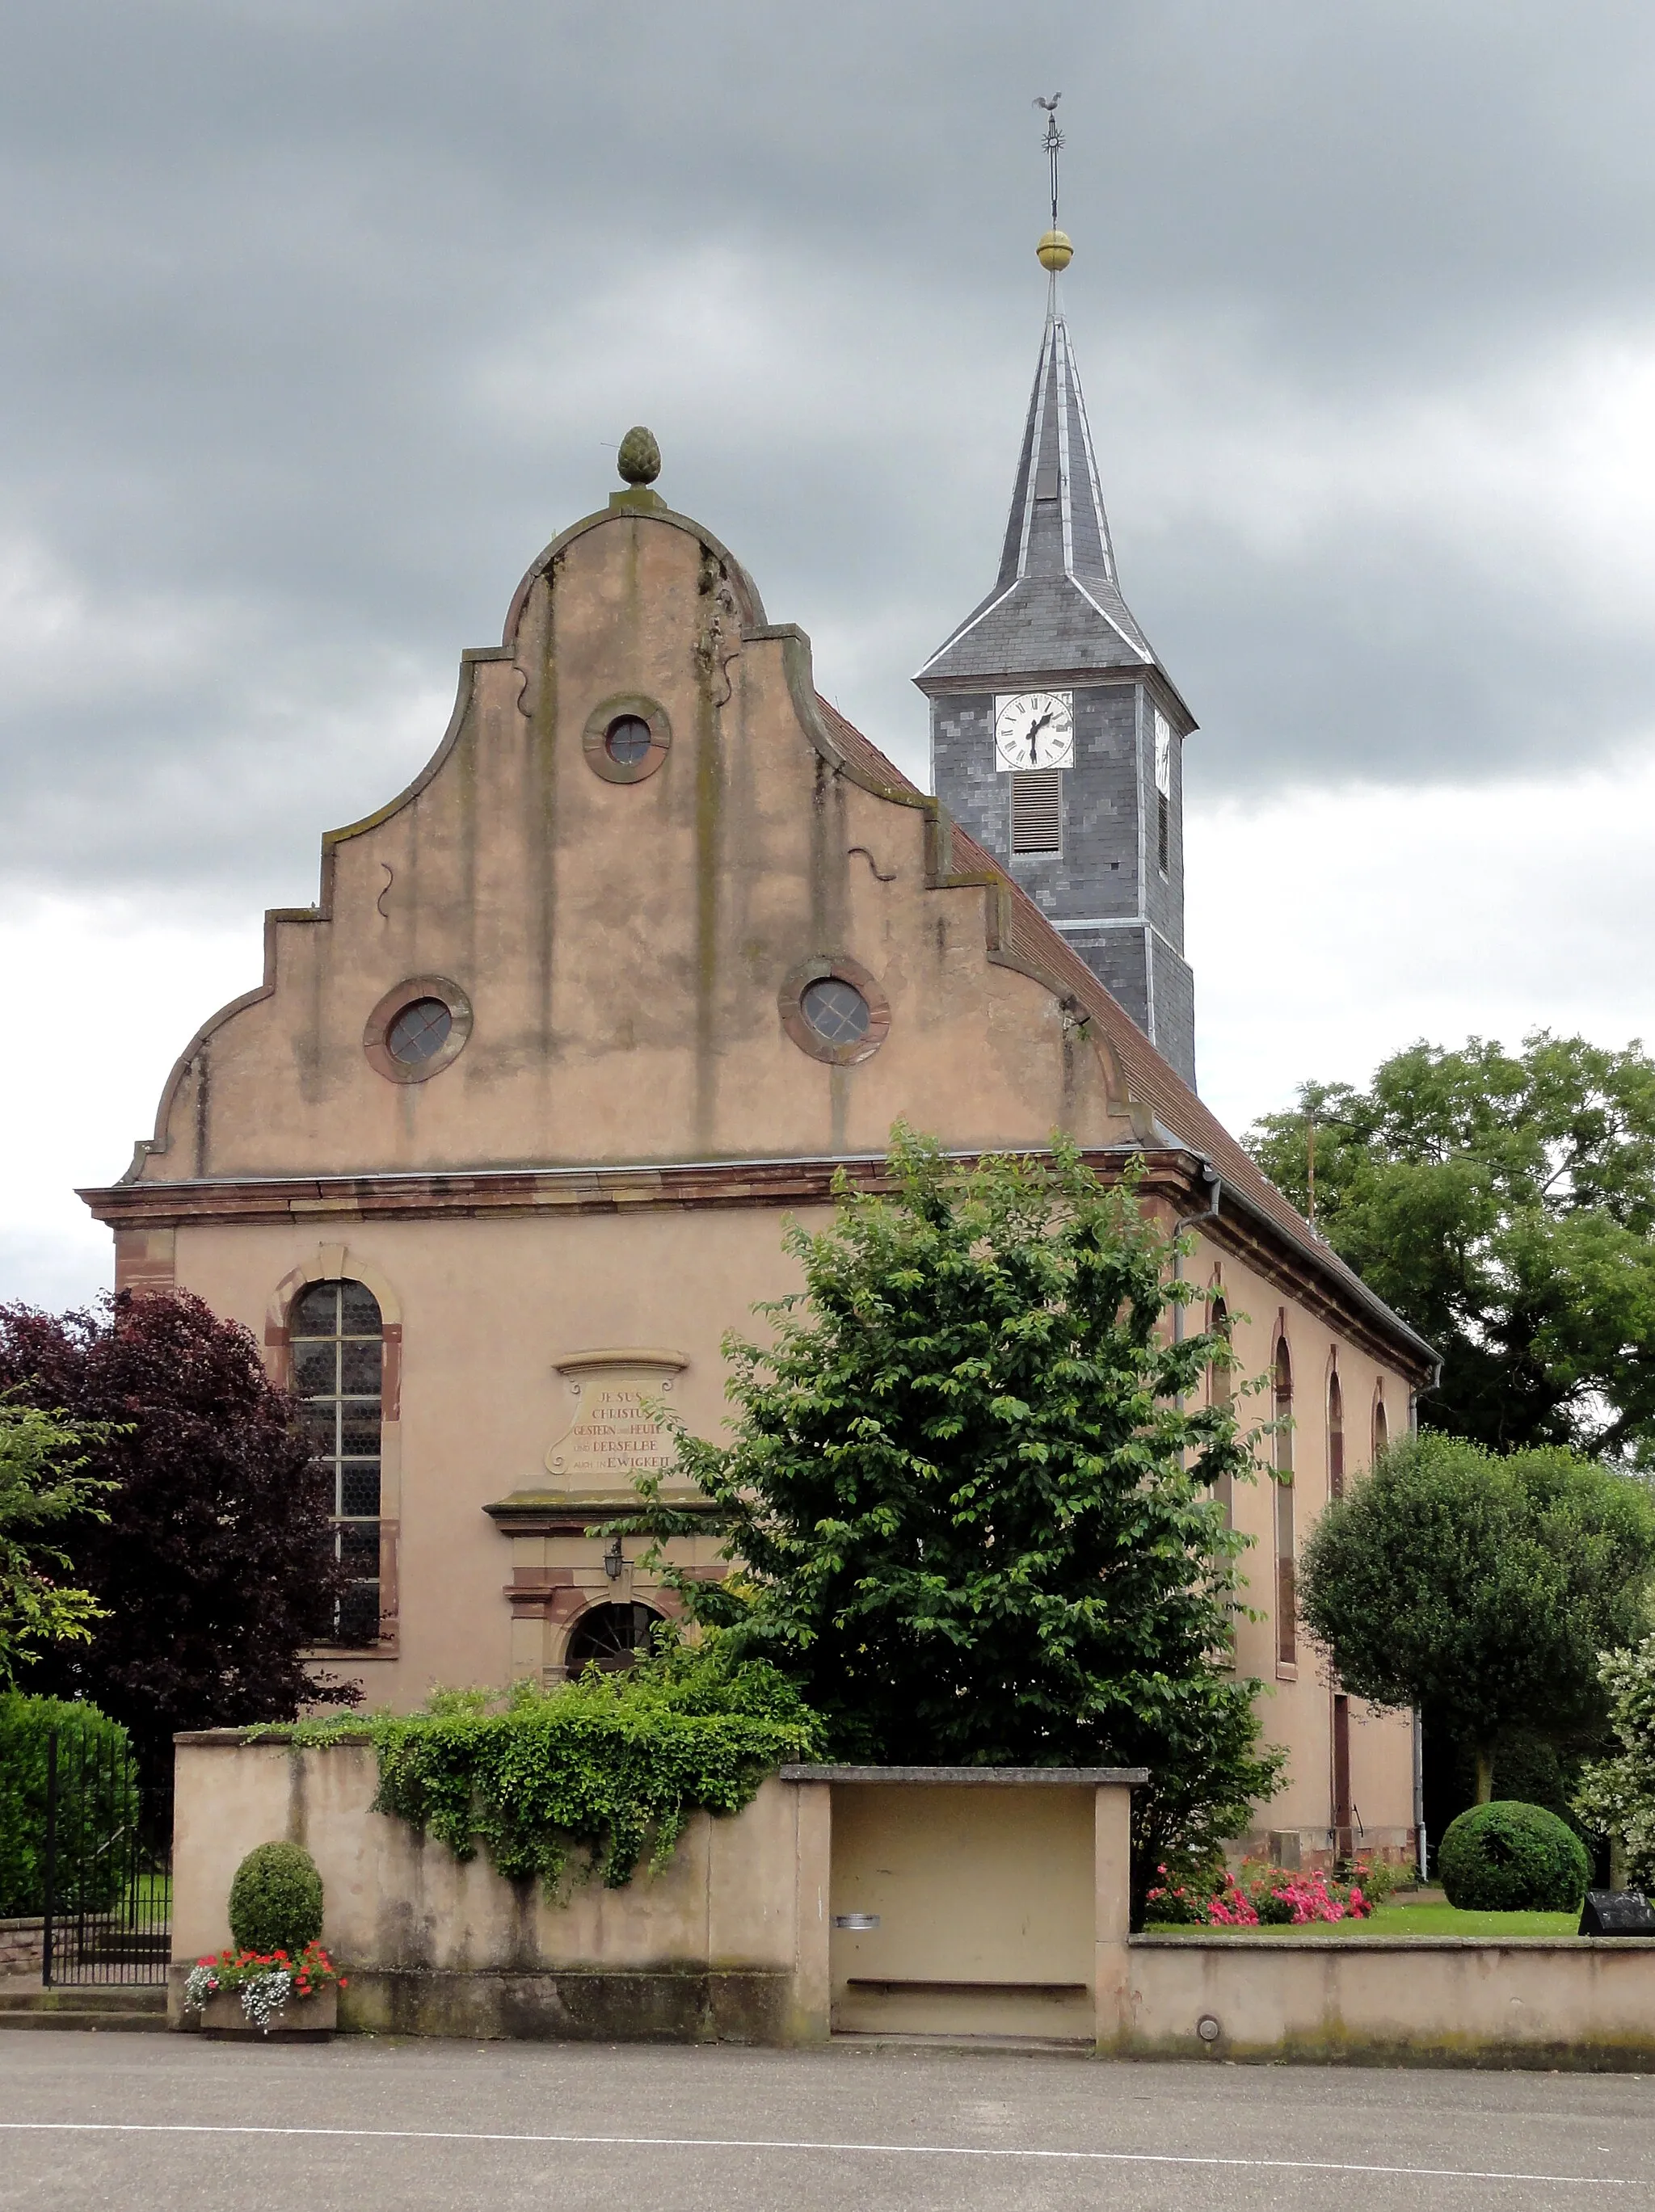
<point x="320" y="317"/>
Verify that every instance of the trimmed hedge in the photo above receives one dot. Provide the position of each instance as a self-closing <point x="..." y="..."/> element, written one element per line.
<point x="276" y="1900"/>
<point x="1512" y="1857"/>
<point x="86" y="1740"/>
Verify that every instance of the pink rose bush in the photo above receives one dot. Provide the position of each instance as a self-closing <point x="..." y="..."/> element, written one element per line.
<point x="1261" y="1897"/>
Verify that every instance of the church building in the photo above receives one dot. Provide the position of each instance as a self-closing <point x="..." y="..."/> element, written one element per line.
<point x="655" y="944"/>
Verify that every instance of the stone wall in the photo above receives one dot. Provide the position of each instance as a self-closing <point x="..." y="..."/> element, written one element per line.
<point x="944" y="1901"/>
<point x="969" y="1926"/>
<point x="1532" y="2002"/>
<point x="20" y="1946"/>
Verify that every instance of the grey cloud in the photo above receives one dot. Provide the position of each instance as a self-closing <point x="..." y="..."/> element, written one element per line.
<point x="317" y="316"/>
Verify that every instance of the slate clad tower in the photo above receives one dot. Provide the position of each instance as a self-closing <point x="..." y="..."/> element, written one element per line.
<point x="1057" y="735"/>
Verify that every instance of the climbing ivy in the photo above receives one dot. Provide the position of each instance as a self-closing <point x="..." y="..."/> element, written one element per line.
<point x="599" y="1770"/>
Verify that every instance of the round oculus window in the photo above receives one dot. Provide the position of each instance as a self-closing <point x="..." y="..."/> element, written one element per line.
<point x="419" y="1032"/>
<point x="627" y="740"/>
<point x="418" y="1028"/>
<point x="835" y="1009"/>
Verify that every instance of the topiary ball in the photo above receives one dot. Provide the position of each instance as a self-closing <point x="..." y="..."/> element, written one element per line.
<point x="1512" y="1857"/>
<point x="276" y="1900"/>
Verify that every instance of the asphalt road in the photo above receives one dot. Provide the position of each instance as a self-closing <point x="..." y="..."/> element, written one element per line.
<point x="167" y="2123"/>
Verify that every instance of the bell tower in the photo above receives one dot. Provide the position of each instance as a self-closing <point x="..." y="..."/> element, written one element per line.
<point x="1057" y="735"/>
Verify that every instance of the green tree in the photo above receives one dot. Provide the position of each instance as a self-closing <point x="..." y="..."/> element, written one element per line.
<point x="1480" y="1590"/>
<point x="213" y="1567"/>
<point x="1616" y="1794"/>
<point x="41" y="1487"/>
<point x="969" y="1501"/>
<point x="1505" y="1206"/>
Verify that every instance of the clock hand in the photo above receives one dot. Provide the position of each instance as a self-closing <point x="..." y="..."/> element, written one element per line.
<point x="1035" y="728"/>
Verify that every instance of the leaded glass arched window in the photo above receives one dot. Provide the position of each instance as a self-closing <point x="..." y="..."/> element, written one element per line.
<point x="1335" y="1437"/>
<point x="338" y="1341"/>
<point x="1287" y="1568"/>
<point x="1220" y="1391"/>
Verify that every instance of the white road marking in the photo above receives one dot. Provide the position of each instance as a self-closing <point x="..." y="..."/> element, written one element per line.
<point x="766" y="2143"/>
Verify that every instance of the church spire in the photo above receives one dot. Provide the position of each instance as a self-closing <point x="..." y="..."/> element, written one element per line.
<point x="1057" y="520"/>
<point x="1056" y="734"/>
<point x="1057" y="524"/>
<point x="1056" y="607"/>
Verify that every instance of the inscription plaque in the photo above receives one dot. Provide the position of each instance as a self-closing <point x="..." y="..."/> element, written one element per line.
<point x="613" y="1435"/>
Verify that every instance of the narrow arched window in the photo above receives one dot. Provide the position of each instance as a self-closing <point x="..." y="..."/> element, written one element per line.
<point x="1219" y="1385"/>
<point x="1286" y="1598"/>
<point x="1335" y="1437"/>
<point x="1381" y="1422"/>
<point x="1220" y="1390"/>
<point x="337" y="1339"/>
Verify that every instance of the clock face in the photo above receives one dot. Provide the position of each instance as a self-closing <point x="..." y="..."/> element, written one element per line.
<point x="1035" y="729"/>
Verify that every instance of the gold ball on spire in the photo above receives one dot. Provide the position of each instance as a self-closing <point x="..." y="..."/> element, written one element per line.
<point x="1054" y="250"/>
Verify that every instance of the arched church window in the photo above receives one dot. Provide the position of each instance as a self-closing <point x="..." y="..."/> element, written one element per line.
<point x="1381" y="1422"/>
<point x="1335" y="1437"/>
<point x="612" y="1638"/>
<point x="1220" y="1389"/>
<point x="338" y="1340"/>
<point x="1287" y="1591"/>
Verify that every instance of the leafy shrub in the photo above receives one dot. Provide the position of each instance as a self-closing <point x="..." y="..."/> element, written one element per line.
<point x="1616" y="1796"/>
<point x="276" y="1900"/>
<point x="610" y="1766"/>
<point x="97" y="1797"/>
<point x="1507" y="1857"/>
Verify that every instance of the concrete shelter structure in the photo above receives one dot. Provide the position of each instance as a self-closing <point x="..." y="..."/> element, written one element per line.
<point x="500" y="1144"/>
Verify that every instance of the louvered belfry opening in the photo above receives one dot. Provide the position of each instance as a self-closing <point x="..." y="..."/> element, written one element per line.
<point x="1036" y="809"/>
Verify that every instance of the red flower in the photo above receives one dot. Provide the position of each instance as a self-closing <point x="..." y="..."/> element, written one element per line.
<point x="343" y="1984"/>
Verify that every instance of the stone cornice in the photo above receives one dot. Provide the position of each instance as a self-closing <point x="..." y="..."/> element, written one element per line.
<point x="1177" y="1177"/>
<point x="470" y="1192"/>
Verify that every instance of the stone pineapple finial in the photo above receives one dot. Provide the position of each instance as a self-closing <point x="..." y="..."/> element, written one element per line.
<point x="639" y="458"/>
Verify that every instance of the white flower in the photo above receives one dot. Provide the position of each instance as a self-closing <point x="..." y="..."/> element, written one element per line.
<point x="264" y="1998"/>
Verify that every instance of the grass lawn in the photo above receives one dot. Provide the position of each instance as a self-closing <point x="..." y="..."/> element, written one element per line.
<point x="1400" y="1919"/>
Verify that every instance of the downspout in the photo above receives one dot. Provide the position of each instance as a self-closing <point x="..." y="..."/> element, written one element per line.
<point x="1208" y="1212"/>
<point x="1421" y="1843"/>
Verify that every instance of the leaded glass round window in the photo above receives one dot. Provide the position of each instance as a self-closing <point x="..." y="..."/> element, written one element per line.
<point x="835" y="1009"/>
<point x="418" y="1032"/>
<point x="627" y="740"/>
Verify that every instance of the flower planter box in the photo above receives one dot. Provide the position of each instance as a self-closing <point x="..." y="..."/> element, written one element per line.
<point x="301" y="2019"/>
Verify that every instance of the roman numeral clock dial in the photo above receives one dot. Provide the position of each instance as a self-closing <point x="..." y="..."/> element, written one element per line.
<point x="1034" y="729"/>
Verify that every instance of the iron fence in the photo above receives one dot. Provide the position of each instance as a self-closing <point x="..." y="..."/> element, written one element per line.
<point x="108" y="1870"/>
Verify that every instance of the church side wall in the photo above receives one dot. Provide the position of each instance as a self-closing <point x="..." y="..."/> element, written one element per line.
<point x="1296" y="1705"/>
